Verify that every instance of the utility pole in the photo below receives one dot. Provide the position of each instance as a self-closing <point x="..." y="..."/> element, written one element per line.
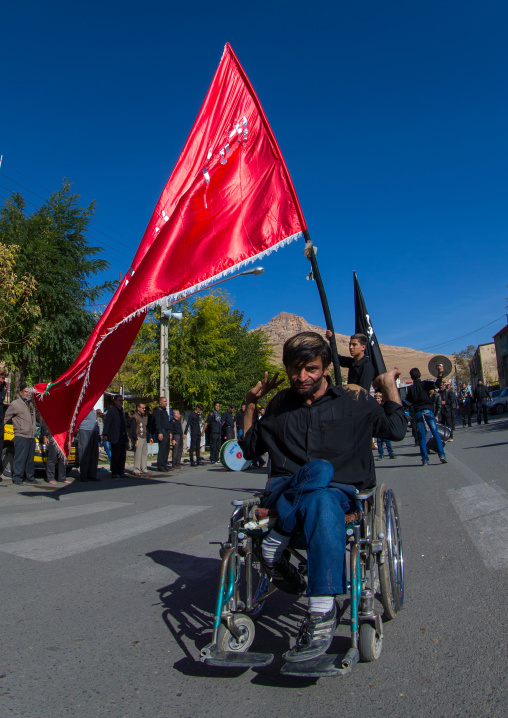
<point x="166" y="315"/>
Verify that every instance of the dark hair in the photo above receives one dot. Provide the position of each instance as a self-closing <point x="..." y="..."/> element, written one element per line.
<point x="117" y="396"/>
<point x="232" y="406"/>
<point x="139" y="404"/>
<point x="414" y="374"/>
<point x="199" y="406"/>
<point x="304" y="347"/>
<point x="22" y="387"/>
<point x="361" y="338"/>
<point x="216" y="402"/>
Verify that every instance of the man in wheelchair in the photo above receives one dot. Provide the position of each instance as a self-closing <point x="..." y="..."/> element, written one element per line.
<point x="319" y="439"/>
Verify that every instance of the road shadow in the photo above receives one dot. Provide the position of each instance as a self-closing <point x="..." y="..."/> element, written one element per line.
<point x="486" y="446"/>
<point x="188" y="604"/>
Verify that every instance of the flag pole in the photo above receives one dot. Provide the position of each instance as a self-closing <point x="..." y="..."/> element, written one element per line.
<point x="310" y="253"/>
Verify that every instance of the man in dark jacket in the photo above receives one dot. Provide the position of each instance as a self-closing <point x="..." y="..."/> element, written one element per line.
<point x="319" y="439"/>
<point x="228" y="424"/>
<point x="481" y="396"/>
<point x="465" y="403"/>
<point x="418" y="396"/>
<point x="213" y="426"/>
<point x="176" y="440"/>
<point x="239" y="421"/>
<point x="361" y="369"/>
<point x="115" y="431"/>
<point x="449" y="403"/>
<point x="162" y="428"/>
<point x="194" y="424"/>
<point x="21" y="412"/>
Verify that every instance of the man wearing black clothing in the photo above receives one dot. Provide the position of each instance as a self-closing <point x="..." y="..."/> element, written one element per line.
<point x="214" y="426"/>
<point x="319" y="439"/>
<point x="176" y="432"/>
<point x="239" y="421"/>
<point x="163" y="431"/>
<point x="465" y="403"/>
<point x="115" y="431"/>
<point x="228" y="424"/>
<point x="481" y="396"/>
<point x="193" y="422"/>
<point x="418" y="396"/>
<point x="448" y="409"/>
<point x="361" y="369"/>
<point x="3" y="392"/>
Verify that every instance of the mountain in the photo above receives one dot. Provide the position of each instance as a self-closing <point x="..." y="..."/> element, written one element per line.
<point x="284" y="325"/>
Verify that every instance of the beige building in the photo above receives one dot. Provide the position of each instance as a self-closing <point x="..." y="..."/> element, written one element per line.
<point x="501" y="344"/>
<point x="484" y="366"/>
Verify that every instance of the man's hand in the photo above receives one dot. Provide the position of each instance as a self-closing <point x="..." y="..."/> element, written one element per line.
<point x="151" y="441"/>
<point x="385" y="383"/>
<point x="45" y="440"/>
<point x="136" y="444"/>
<point x="262" y="388"/>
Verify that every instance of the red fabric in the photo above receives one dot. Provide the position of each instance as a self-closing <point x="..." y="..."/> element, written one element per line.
<point x="229" y="199"/>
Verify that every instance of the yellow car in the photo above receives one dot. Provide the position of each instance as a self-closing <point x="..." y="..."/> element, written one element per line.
<point x="40" y="454"/>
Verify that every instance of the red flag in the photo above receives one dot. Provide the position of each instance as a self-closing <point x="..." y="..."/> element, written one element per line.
<point x="229" y="200"/>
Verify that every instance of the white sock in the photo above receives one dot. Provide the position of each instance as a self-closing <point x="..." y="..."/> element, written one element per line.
<point x="272" y="547"/>
<point x="320" y="604"/>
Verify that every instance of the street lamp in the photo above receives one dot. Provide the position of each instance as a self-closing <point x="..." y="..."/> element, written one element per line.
<point x="167" y="314"/>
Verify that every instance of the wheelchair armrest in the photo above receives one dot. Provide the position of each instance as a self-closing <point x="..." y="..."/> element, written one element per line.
<point x="247" y="503"/>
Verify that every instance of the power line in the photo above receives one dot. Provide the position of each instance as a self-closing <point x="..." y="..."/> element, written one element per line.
<point x="434" y="346"/>
<point x="122" y="244"/>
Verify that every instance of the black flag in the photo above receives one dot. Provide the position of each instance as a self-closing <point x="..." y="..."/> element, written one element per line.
<point x="363" y="325"/>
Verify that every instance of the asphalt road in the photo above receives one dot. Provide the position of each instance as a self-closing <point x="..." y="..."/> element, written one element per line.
<point x="108" y="592"/>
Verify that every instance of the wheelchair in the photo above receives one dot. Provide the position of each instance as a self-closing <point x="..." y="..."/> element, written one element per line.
<point x="375" y="576"/>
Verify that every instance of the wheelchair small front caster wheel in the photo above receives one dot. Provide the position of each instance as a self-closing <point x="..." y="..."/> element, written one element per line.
<point x="226" y="641"/>
<point x="370" y="643"/>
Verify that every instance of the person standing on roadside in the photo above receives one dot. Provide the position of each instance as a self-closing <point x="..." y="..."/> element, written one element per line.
<point x="194" y="424"/>
<point x="448" y="409"/>
<point x="140" y="439"/>
<point x="162" y="428"/>
<point x="481" y="396"/>
<point x="88" y="447"/>
<point x="228" y="424"/>
<point x="22" y="414"/>
<point x="378" y="396"/>
<point x="177" y="440"/>
<point x="418" y="396"/>
<point x="465" y="403"/>
<point x="115" y="431"/>
<point x="214" y="427"/>
<point x="53" y="458"/>
<point x="361" y="369"/>
<point x="239" y="416"/>
<point x="3" y="392"/>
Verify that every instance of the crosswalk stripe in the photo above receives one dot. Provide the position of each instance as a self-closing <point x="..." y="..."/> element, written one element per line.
<point x="68" y="543"/>
<point x="65" y="512"/>
<point x="483" y="509"/>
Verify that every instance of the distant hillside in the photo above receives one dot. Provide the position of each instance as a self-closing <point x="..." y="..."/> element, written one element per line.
<point x="284" y="325"/>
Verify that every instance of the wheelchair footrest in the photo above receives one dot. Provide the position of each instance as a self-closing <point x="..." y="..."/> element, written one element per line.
<point x="231" y="659"/>
<point x="327" y="665"/>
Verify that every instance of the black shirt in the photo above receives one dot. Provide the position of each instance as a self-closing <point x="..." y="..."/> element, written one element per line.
<point x="193" y="423"/>
<point x="239" y="417"/>
<point x="227" y="419"/>
<point x="214" y="422"/>
<point x="360" y="373"/>
<point x="337" y="427"/>
<point x="481" y="393"/>
<point x="175" y="428"/>
<point x="418" y="394"/>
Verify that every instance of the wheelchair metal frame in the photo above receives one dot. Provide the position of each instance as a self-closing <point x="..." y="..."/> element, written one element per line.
<point x="376" y="570"/>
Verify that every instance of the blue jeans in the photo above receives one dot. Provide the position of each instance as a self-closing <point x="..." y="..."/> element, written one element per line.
<point x="431" y="421"/>
<point x="107" y="449"/>
<point x="388" y="447"/>
<point x="307" y="503"/>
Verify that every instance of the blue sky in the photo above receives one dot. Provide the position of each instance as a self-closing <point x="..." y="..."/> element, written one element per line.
<point x="392" y="118"/>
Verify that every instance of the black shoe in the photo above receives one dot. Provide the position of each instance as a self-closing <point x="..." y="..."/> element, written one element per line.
<point x="32" y="482"/>
<point x="201" y="463"/>
<point x="425" y="463"/>
<point x="286" y="577"/>
<point x="392" y="456"/>
<point x="443" y="459"/>
<point x="17" y="483"/>
<point x="379" y="458"/>
<point x="193" y="463"/>
<point x="314" y="636"/>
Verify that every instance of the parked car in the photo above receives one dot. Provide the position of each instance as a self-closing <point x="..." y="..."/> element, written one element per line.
<point x="40" y="454"/>
<point x="499" y="404"/>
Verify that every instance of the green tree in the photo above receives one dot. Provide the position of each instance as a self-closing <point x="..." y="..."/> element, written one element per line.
<point x="462" y="362"/>
<point x="53" y="249"/>
<point x="212" y="354"/>
<point x="16" y="304"/>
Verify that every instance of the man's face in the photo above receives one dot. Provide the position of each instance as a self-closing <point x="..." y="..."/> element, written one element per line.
<point x="216" y="406"/>
<point x="163" y="402"/>
<point x="356" y="349"/>
<point x="141" y="409"/>
<point x="118" y="402"/>
<point x="242" y="407"/>
<point x="306" y="378"/>
<point x="464" y="385"/>
<point x="198" y="410"/>
<point x="480" y="382"/>
<point x="379" y="399"/>
<point x="26" y="394"/>
<point x="176" y="414"/>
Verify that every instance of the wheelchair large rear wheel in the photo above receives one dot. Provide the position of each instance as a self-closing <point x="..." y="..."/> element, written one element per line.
<point x="391" y="571"/>
<point x="226" y="641"/>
